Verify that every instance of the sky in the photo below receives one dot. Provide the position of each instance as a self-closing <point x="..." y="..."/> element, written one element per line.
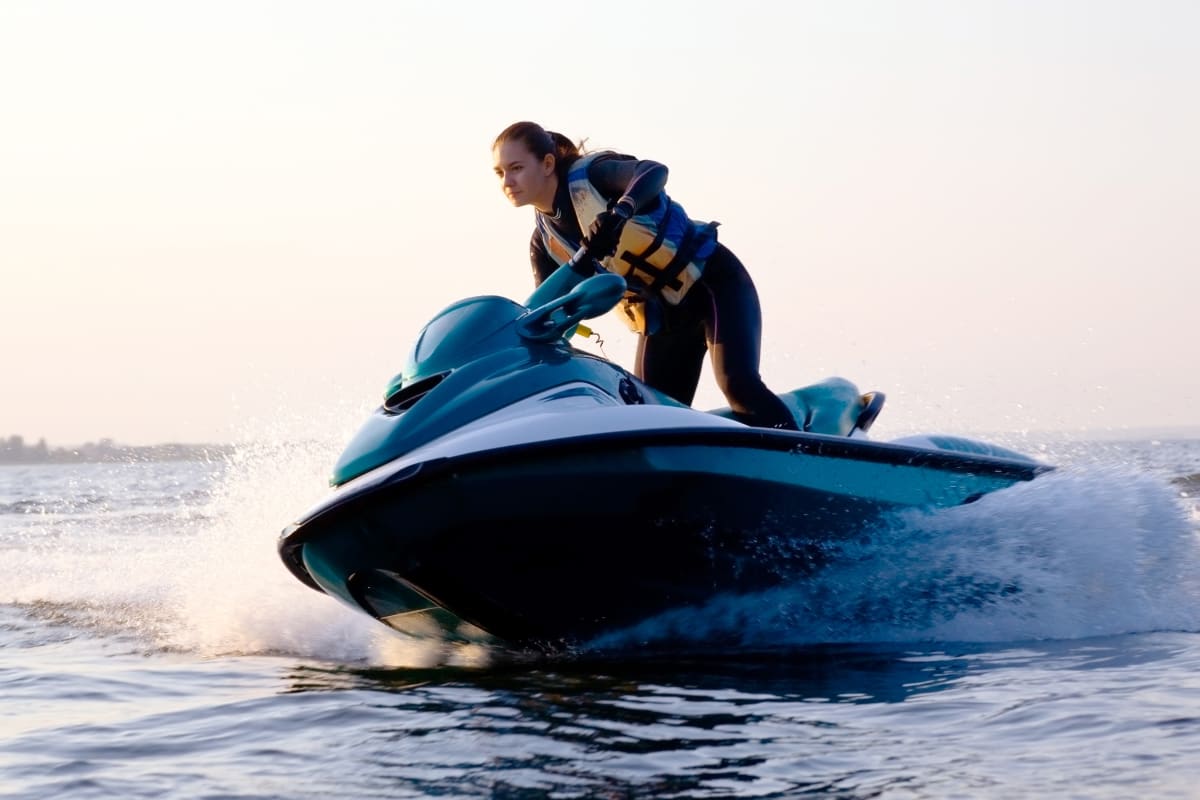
<point x="224" y="217"/>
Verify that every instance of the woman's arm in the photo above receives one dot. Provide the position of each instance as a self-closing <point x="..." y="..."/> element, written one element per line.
<point x="627" y="178"/>
<point x="541" y="262"/>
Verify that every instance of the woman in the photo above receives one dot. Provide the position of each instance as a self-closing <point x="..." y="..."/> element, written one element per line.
<point x="687" y="292"/>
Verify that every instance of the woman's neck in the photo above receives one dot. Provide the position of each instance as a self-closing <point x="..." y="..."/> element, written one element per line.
<point x="545" y="204"/>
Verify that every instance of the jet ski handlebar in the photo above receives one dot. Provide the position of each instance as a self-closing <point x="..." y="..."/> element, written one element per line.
<point x="590" y="298"/>
<point x="579" y="268"/>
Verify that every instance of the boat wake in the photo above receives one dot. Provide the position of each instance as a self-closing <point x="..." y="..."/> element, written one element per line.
<point x="1079" y="553"/>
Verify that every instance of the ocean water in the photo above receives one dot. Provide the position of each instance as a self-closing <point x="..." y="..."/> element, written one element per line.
<point x="1042" y="642"/>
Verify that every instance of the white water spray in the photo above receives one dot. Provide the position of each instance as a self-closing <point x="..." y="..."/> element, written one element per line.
<point x="197" y="570"/>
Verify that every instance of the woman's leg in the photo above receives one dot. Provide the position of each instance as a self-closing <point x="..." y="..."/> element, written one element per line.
<point x="733" y="327"/>
<point x="671" y="361"/>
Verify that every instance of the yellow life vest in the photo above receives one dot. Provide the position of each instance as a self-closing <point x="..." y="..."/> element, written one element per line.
<point x="661" y="252"/>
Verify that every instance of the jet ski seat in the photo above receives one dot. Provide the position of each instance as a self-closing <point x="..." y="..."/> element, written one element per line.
<point x="834" y="407"/>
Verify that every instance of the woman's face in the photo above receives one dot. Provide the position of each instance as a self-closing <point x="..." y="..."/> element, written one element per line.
<point x="525" y="178"/>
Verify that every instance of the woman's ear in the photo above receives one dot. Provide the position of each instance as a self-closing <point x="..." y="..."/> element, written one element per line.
<point x="548" y="163"/>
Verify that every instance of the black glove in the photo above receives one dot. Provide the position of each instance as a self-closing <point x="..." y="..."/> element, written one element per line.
<point x="605" y="231"/>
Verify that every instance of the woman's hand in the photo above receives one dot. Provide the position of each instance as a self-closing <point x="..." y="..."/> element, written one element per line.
<point x="605" y="230"/>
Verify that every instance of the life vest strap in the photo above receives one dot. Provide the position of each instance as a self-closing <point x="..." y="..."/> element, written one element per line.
<point x="667" y="276"/>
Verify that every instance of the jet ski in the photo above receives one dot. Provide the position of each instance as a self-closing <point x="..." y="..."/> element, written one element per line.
<point x="516" y="490"/>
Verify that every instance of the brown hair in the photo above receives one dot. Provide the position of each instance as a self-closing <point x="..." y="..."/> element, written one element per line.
<point x="542" y="142"/>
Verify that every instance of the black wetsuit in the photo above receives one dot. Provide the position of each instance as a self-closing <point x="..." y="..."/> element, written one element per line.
<point x="720" y="314"/>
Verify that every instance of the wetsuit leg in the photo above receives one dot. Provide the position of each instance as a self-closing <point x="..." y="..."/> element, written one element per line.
<point x="671" y="360"/>
<point x="733" y="328"/>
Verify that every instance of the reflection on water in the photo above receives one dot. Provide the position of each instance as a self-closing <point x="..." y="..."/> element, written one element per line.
<point x="650" y="727"/>
<point x="832" y="721"/>
<point x="830" y="673"/>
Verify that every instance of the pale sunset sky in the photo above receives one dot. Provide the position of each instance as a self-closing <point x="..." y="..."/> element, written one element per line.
<point x="222" y="217"/>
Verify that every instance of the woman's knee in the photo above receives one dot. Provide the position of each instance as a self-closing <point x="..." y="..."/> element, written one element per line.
<point x="742" y="388"/>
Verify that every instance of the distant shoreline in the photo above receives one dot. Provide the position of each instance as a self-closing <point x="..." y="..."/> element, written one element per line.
<point x="14" y="450"/>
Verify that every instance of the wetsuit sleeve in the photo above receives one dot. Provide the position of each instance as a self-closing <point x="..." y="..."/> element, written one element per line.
<point x="539" y="259"/>
<point x="624" y="176"/>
